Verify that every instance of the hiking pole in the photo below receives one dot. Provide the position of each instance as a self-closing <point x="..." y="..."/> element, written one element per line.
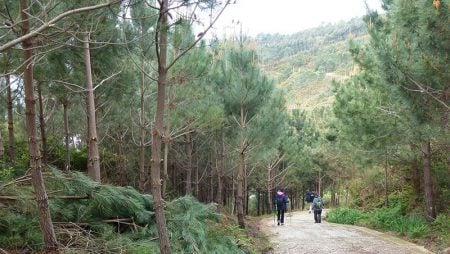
<point x="290" y="218"/>
<point x="274" y="215"/>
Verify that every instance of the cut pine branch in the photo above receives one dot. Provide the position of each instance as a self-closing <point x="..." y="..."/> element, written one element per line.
<point x="14" y="198"/>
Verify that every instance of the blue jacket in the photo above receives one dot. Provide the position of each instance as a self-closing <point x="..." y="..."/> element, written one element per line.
<point x="318" y="203"/>
<point x="284" y="200"/>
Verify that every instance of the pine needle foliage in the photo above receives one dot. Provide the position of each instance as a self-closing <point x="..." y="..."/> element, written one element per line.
<point x="102" y="201"/>
<point x="195" y="228"/>
<point x="82" y="226"/>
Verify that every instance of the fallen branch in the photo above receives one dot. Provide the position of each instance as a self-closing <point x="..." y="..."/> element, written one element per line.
<point x="14" y="198"/>
<point x="17" y="180"/>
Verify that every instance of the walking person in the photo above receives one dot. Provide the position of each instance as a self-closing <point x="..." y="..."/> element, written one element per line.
<point x="309" y="199"/>
<point x="317" y="206"/>
<point x="280" y="204"/>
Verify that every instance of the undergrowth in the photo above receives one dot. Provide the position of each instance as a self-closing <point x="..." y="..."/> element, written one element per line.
<point x="400" y="219"/>
<point x="108" y="219"/>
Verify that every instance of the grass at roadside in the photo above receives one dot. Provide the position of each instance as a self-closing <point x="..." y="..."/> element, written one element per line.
<point x="413" y="227"/>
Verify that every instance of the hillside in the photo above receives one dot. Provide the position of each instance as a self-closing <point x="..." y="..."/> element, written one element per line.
<point x="304" y="64"/>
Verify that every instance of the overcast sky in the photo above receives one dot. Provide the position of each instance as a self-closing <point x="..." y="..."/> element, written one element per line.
<point x="288" y="16"/>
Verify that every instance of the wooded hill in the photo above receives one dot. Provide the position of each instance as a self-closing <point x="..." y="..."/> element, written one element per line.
<point x="121" y="100"/>
<point x="305" y="63"/>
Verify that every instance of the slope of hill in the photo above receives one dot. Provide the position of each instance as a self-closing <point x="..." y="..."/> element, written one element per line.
<point x="304" y="64"/>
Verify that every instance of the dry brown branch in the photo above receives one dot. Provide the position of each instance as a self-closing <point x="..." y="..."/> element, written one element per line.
<point x="17" y="180"/>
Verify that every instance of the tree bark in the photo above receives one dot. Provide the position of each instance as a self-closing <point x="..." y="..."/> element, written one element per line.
<point x="240" y="174"/>
<point x="66" y="136"/>
<point x="196" y="171"/>
<point x="42" y="124"/>
<point x="2" y="148"/>
<point x="428" y="180"/>
<point x="122" y="163"/>
<point x="188" y="179"/>
<point x="220" y="170"/>
<point x="167" y="140"/>
<point x="93" y="155"/>
<point x="45" y="220"/>
<point x="11" y="139"/>
<point x="269" y="188"/>
<point x="386" y="189"/>
<point x="157" y="132"/>
<point x="142" y="168"/>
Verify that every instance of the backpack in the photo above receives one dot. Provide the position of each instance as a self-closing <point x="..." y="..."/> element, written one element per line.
<point x="279" y="200"/>
<point x="318" y="204"/>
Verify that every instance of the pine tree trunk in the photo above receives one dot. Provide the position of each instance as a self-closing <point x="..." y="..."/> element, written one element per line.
<point x="142" y="169"/>
<point x="93" y="155"/>
<point x="121" y="164"/>
<point x="240" y="174"/>
<point x="2" y="148"/>
<point x="37" y="180"/>
<point x="220" y="171"/>
<point x="42" y="124"/>
<point x="161" y="50"/>
<point x="11" y="139"/>
<point x="167" y="140"/>
<point x="196" y="171"/>
<point x="188" y="180"/>
<point x="428" y="180"/>
<point x="386" y="189"/>
<point x="66" y="136"/>
<point x="269" y="188"/>
<point x="211" y="180"/>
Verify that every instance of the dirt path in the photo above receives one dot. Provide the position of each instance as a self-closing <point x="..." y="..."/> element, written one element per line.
<point x="301" y="235"/>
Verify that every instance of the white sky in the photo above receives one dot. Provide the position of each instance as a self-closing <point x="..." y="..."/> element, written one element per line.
<point x="287" y="16"/>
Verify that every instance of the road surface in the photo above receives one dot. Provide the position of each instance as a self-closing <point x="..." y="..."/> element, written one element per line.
<point x="301" y="235"/>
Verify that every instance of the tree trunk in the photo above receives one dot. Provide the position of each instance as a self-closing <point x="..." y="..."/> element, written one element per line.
<point x="240" y="174"/>
<point x="386" y="189"/>
<point x="11" y="139"/>
<point x="45" y="220"/>
<point x="42" y="123"/>
<point x="66" y="136"/>
<point x="122" y="164"/>
<point x="93" y="155"/>
<point x="167" y="140"/>
<point x="428" y="180"/>
<point x="220" y="170"/>
<point x="142" y="168"/>
<point x="269" y="188"/>
<point x="161" y="51"/>
<point x="2" y="149"/>
<point x="196" y="171"/>
<point x="188" y="180"/>
<point x="319" y="183"/>
<point x="211" y="180"/>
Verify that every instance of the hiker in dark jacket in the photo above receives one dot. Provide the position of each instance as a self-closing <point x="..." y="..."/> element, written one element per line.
<point x="317" y="206"/>
<point x="280" y="201"/>
<point x="309" y="198"/>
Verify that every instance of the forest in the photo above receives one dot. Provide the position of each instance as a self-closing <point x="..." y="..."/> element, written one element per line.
<point x="125" y="129"/>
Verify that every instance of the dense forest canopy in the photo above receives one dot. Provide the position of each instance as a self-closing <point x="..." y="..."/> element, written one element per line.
<point x="117" y="118"/>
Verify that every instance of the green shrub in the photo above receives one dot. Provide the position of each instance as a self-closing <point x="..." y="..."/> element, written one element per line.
<point x="412" y="225"/>
<point x="345" y="215"/>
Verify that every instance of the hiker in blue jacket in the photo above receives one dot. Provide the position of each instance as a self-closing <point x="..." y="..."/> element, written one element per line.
<point x="280" y="201"/>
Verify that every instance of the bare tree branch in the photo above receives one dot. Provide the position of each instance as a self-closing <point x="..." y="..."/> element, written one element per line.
<point x="423" y="90"/>
<point x="52" y="22"/>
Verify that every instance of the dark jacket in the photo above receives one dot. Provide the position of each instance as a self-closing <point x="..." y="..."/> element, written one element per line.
<point x="284" y="200"/>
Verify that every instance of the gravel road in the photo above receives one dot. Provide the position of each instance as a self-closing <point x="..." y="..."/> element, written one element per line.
<point x="301" y="235"/>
